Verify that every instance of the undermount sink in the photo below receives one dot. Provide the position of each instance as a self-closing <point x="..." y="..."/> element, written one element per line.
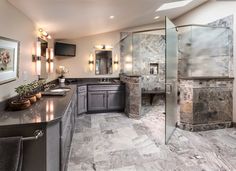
<point x="105" y="82"/>
<point x="58" y="90"/>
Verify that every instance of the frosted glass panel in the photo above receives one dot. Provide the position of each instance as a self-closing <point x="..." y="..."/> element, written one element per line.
<point x="204" y="51"/>
<point x="171" y="78"/>
<point x="126" y="53"/>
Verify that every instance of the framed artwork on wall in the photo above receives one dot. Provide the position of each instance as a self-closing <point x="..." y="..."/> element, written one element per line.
<point x="9" y="59"/>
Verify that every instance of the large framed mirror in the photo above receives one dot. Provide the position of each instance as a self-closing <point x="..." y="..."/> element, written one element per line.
<point x="44" y="46"/>
<point x="103" y="65"/>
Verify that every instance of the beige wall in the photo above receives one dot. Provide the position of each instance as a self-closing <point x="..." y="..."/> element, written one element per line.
<point x="78" y="66"/>
<point x="16" y="25"/>
<point x="208" y="12"/>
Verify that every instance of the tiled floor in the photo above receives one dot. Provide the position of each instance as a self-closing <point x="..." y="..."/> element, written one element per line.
<point x="113" y="142"/>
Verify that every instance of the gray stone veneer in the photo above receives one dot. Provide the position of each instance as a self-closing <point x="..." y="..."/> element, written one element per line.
<point x="205" y="104"/>
<point x="133" y="95"/>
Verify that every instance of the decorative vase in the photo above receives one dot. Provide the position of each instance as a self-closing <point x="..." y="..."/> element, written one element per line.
<point x="38" y="95"/>
<point x="62" y="80"/>
<point x="20" y="104"/>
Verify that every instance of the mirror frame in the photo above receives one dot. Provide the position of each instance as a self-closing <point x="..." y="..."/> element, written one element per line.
<point x="109" y="50"/>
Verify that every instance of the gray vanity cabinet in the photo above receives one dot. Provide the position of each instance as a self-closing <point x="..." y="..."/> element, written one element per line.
<point x="97" y="100"/>
<point x="104" y="98"/>
<point x="82" y="99"/>
<point x="115" y="100"/>
<point x="66" y="132"/>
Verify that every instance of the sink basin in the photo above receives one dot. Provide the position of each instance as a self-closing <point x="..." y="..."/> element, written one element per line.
<point x="58" y="90"/>
<point x="105" y="82"/>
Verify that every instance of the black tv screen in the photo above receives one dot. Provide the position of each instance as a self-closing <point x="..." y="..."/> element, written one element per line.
<point x="65" y="49"/>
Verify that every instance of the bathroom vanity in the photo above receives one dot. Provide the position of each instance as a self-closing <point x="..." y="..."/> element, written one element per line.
<point x="95" y="97"/>
<point x="55" y="117"/>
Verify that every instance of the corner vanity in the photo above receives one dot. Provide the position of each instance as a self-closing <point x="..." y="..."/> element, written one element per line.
<point x="55" y="117"/>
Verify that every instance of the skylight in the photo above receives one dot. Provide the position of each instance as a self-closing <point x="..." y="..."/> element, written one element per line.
<point x="171" y="5"/>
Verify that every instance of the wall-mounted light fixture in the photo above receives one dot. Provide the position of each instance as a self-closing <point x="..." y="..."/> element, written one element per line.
<point x="36" y="57"/>
<point x="91" y="62"/>
<point x="103" y="47"/>
<point x="43" y="34"/>
<point x="49" y="60"/>
<point x="116" y="62"/>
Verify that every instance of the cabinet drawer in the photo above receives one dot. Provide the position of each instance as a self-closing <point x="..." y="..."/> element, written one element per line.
<point x="105" y="87"/>
<point x="82" y="89"/>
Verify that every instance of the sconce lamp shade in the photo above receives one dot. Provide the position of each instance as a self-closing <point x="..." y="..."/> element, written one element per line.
<point x="49" y="58"/>
<point x="91" y="62"/>
<point x="38" y="67"/>
<point x="51" y="64"/>
<point x="38" y="58"/>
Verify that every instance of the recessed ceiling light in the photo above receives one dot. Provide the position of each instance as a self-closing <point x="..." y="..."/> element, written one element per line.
<point x="155" y="18"/>
<point x="112" y="17"/>
<point x="171" y="5"/>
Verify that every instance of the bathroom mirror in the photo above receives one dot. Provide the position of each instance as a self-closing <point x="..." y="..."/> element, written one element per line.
<point x="103" y="64"/>
<point x="44" y="46"/>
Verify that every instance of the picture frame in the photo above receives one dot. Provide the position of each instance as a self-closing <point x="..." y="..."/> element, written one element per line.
<point x="9" y="60"/>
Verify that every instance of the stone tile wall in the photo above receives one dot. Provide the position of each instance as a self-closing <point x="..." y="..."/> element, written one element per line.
<point x="205" y="104"/>
<point x="133" y="95"/>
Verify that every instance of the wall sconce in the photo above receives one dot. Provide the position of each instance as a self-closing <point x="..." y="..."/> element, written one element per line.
<point x="103" y="47"/>
<point x="91" y="62"/>
<point x="116" y="62"/>
<point x="44" y="34"/>
<point x="49" y="60"/>
<point x="37" y="58"/>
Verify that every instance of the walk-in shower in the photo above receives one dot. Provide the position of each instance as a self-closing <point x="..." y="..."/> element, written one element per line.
<point x="204" y="56"/>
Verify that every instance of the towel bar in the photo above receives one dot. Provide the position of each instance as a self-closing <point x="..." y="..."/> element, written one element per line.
<point x="37" y="134"/>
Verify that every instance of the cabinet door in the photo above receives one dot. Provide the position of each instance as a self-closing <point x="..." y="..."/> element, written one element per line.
<point x="116" y="100"/>
<point x="97" y="100"/>
<point x="82" y="102"/>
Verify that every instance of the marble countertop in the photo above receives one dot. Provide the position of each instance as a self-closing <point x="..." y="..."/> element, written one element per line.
<point x="47" y="109"/>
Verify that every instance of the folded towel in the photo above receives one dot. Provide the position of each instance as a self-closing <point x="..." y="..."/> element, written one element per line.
<point x="11" y="154"/>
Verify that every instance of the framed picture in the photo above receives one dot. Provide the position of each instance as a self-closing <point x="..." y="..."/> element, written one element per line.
<point x="9" y="58"/>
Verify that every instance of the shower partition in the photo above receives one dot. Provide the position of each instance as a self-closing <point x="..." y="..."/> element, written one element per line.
<point x="204" y="57"/>
<point x="204" y="51"/>
<point x="171" y="78"/>
<point x="205" y="76"/>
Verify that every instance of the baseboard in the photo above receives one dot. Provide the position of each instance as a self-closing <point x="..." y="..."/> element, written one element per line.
<point x="204" y="127"/>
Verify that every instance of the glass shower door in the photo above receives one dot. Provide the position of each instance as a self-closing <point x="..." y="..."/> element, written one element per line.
<point x="171" y="78"/>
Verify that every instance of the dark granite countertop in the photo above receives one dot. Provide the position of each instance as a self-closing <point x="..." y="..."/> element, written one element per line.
<point x="206" y="78"/>
<point x="81" y="83"/>
<point x="132" y="75"/>
<point x="48" y="109"/>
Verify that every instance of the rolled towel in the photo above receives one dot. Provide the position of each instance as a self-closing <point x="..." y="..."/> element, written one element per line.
<point x="11" y="154"/>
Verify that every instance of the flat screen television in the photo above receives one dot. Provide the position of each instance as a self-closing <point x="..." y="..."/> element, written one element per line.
<point x="65" y="49"/>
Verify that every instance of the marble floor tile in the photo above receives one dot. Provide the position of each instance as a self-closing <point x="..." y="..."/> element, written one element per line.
<point x="127" y="168"/>
<point x="114" y="142"/>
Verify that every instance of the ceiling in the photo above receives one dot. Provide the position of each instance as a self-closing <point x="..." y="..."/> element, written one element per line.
<point x="65" y="19"/>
